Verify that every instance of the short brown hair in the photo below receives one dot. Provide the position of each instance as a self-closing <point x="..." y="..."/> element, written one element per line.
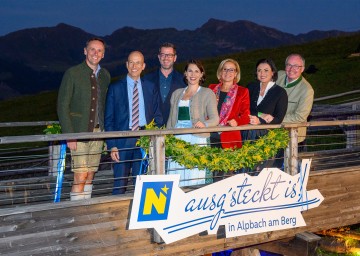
<point x="168" y="45"/>
<point x="95" y="39"/>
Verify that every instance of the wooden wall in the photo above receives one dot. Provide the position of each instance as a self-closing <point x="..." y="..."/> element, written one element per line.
<point x="99" y="226"/>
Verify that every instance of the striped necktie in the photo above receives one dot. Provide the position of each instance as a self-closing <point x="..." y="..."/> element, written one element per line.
<point x="135" y="108"/>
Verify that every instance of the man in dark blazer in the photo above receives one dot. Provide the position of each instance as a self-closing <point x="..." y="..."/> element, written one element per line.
<point x="118" y="117"/>
<point x="166" y="77"/>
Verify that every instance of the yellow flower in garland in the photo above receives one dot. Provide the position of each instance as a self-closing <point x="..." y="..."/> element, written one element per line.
<point x="267" y="150"/>
<point x="271" y="134"/>
<point x="52" y="129"/>
<point x="203" y="160"/>
<point x="222" y="159"/>
<point x="145" y="140"/>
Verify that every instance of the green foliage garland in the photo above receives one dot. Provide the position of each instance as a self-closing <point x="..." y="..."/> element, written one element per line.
<point x="52" y="129"/>
<point x="226" y="160"/>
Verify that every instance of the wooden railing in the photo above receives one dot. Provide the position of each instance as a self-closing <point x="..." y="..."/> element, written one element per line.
<point x="87" y="224"/>
<point x="158" y="138"/>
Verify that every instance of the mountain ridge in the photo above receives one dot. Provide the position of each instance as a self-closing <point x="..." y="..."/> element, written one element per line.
<point x="41" y="55"/>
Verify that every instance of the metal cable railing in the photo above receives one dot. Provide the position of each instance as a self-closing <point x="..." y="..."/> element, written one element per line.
<point x="34" y="182"/>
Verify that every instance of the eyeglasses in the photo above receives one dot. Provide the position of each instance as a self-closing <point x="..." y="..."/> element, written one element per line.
<point x="295" y="67"/>
<point x="230" y="70"/>
<point x="166" y="55"/>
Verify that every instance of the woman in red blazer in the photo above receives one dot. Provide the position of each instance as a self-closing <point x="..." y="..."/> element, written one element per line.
<point x="233" y="104"/>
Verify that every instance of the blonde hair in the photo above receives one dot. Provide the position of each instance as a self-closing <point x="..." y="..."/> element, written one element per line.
<point x="221" y="66"/>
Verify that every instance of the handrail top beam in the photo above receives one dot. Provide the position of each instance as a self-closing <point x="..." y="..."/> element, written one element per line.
<point x="161" y="132"/>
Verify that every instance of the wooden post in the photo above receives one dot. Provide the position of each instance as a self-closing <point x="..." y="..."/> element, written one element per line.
<point x="152" y="157"/>
<point x="50" y="159"/>
<point x="157" y="167"/>
<point x="291" y="153"/>
<point x="352" y="133"/>
<point x="308" y="241"/>
<point x="159" y="157"/>
<point x="356" y="106"/>
<point x="54" y="155"/>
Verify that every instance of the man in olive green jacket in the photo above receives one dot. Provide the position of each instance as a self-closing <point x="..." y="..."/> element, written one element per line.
<point x="80" y="108"/>
<point x="300" y="92"/>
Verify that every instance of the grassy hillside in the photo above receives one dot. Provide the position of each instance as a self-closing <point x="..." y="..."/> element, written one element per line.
<point x="337" y="73"/>
<point x="40" y="107"/>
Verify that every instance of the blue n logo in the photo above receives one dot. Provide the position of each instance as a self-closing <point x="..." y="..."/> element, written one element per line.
<point x="155" y="200"/>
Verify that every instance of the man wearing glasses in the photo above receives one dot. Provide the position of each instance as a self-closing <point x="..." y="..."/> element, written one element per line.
<point x="300" y="92"/>
<point x="166" y="77"/>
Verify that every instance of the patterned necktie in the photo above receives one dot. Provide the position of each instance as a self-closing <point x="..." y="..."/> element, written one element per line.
<point x="135" y="108"/>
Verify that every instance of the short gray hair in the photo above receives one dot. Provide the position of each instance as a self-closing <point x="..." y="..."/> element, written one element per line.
<point x="297" y="55"/>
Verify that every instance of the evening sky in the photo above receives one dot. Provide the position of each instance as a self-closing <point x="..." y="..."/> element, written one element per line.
<point x="102" y="17"/>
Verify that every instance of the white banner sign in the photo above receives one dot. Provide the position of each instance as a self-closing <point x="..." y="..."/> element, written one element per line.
<point x="244" y="204"/>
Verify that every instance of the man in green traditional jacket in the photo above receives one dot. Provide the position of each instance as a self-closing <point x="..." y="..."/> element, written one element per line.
<point x="300" y="92"/>
<point x="80" y="108"/>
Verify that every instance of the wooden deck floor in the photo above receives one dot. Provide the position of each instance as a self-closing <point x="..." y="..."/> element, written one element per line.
<point x="99" y="226"/>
